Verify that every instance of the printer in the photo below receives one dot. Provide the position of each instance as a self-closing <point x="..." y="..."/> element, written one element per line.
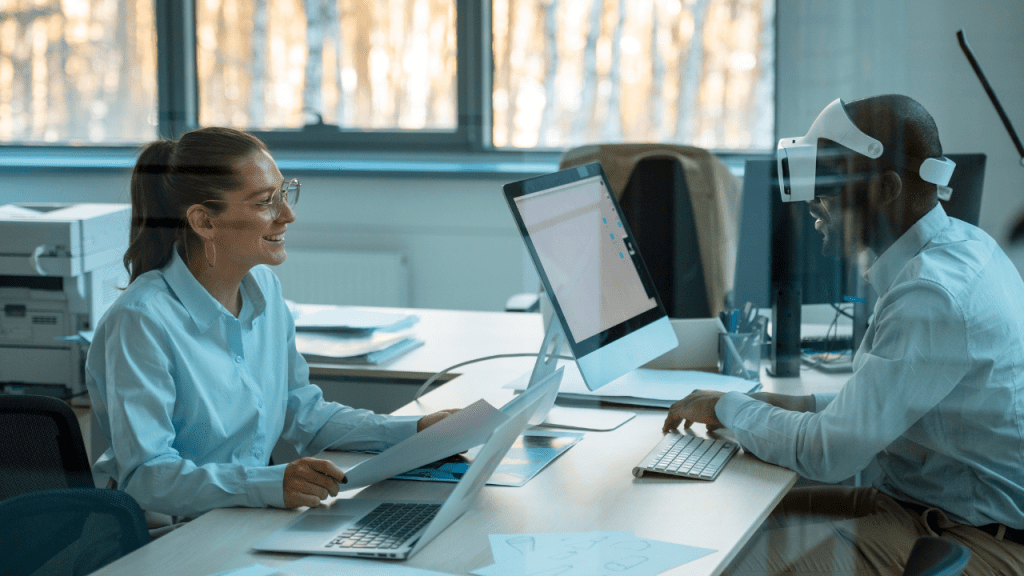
<point x="60" y="269"/>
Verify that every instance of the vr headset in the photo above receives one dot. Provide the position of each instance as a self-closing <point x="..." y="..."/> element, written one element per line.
<point x="804" y="170"/>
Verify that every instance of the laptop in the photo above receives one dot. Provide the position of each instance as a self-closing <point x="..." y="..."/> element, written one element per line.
<point x="399" y="529"/>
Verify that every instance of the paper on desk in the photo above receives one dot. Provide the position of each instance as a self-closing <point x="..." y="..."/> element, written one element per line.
<point x="319" y="317"/>
<point x="13" y="211"/>
<point x="459" y="432"/>
<point x="643" y="386"/>
<point x="320" y="347"/>
<point x="83" y="337"/>
<point x="530" y="454"/>
<point x="585" y="554"/>
<point x="333" y="565"/>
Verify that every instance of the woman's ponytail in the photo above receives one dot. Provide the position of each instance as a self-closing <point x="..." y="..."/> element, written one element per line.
<point x="155" y="225"/>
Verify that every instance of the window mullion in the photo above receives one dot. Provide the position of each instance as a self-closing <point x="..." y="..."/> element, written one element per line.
<point x="473" y="26"/>
<point x="177" y="84"/>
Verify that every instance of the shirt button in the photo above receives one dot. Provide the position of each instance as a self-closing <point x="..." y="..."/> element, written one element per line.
<point x="238" y="359"/>
<point x="259" y="403"/>
<point x="258" y="453"/>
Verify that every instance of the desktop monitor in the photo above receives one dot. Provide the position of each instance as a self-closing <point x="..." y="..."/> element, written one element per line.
<point x="600" y="289"/>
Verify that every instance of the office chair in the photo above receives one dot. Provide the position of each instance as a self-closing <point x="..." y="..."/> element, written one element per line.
<point x="933" y="556"/>
<point x="682" y="205"/>
<point x="41" y="446"/>
<point x="68" y="532"/>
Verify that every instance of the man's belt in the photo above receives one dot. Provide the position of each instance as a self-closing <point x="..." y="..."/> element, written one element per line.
<point x="1009" y="534"/>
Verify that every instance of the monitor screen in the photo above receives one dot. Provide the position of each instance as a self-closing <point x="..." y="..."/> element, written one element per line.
<point x="592" y="271"/>
<point x="592" y="265"/>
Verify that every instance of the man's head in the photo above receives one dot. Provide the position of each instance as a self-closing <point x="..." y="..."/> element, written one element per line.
<point x="868" y="202"/>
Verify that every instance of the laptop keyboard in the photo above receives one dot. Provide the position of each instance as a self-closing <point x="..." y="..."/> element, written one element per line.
<point x="687" y="456"/>
<point x="386" y="526"/>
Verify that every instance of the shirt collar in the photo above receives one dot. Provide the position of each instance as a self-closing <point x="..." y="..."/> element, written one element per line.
<point x="882" y="273"/>
<point x="200" y="304"/>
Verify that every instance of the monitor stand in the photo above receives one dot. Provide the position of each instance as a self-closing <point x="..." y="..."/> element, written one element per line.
<point x="563" y="416"/>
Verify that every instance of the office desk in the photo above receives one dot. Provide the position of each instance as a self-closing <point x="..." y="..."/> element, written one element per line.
<point x="450" y="337"/>
<point x="590" y="487"/>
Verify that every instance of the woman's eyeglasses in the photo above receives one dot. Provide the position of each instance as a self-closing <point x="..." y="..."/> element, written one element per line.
<point x="286" y="194"/>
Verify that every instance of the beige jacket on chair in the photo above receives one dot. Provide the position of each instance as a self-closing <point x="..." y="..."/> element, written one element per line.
<point x="714" y="195"/>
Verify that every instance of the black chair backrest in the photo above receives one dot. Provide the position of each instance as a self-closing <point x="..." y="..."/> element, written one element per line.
<point x="41" y="446"/>
<point x="68" y="532"/>
<point x="656" y="205"/>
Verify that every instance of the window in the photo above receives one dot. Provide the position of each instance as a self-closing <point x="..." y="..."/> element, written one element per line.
<point x="383" y="65"/>
<point x="435" y="74"/>
<point x="571" y="72"/>
<point x="77" y="71"/>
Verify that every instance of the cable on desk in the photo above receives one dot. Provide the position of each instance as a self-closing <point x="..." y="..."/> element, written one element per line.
<point x="431" y="380"/>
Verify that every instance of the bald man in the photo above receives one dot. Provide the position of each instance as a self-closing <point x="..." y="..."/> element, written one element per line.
<point x="933" y="416"/>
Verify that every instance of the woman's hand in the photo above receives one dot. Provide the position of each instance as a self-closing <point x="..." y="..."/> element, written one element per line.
<point x="431" y="419"/>
<point x="308" y="481"/>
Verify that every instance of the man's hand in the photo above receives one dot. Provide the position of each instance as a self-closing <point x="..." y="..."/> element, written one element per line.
<point x="308" y="481"/>
<point x="699" y="406"/>
<point x="431" y="419"/>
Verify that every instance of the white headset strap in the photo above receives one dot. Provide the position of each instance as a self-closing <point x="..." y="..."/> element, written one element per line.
<point x="937" y="170"/>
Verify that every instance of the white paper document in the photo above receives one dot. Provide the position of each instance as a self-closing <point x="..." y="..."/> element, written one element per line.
<point x="323" y="317"/>
<point x="469" y="427"/>
<point x="372" y="348"/>
<point x="585" y="554"/>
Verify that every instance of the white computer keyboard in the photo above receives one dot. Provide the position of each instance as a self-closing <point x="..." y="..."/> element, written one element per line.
<point x="688" y="456"/>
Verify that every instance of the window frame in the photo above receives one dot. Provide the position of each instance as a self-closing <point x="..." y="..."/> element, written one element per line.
<point x="469" y="148"/>
<point x="178" y="90"/>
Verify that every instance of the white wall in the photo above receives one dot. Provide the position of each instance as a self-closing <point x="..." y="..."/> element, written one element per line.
<point x="463" y="248"/>
<point x="856" y="49"/>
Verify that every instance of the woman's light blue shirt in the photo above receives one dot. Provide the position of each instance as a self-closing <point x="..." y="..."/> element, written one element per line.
<point x="193" y="400"/>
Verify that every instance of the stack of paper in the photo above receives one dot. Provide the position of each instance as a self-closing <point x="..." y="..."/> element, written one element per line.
<point x="328" y="318"/>
<point x="585" y="554"/>
<point x="351" y="335"/>
<point x="370" y="349"/>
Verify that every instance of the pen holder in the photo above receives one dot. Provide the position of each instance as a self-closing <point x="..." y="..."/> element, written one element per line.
<point x="739" y="354"/>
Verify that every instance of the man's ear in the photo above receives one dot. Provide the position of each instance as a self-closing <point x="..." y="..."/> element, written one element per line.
<point x="200" y="220"/>
<point x="885" y="188"/>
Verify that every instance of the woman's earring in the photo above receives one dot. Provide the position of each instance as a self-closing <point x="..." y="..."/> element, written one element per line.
<point x="211" y="261"/>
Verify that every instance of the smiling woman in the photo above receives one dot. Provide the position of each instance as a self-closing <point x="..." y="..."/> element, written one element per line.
<point x="193" y="372"/>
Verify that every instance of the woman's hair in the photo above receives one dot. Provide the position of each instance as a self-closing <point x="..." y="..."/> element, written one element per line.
<point x="169" y="177"/>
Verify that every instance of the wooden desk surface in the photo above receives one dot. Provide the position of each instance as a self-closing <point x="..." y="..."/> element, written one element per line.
<point x="590" y="487"/>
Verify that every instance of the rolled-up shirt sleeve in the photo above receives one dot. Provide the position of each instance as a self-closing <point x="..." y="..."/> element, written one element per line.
<point x="915" y="360"/>
<point x="140" y="412"/>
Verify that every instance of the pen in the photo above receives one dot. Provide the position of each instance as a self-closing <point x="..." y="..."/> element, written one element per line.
<point x="733" y="324"/>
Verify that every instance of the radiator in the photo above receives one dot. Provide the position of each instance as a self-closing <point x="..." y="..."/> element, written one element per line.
<point x="363" y="278"/>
